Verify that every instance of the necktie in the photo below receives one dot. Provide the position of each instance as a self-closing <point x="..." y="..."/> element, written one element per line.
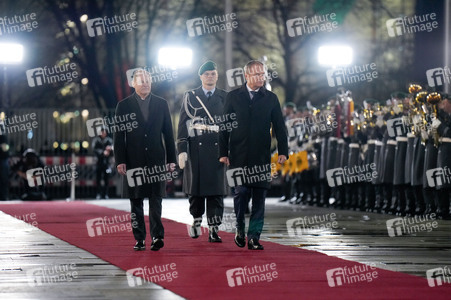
<point x="208" y="95"/>
<point x="253" y="93"/>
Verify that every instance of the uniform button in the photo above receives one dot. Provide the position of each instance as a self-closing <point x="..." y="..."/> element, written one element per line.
<point x="216" y="144"/>
<point x="145" y="135"/>
<point x="200" y="144"/>
<point x="145" y="149"/>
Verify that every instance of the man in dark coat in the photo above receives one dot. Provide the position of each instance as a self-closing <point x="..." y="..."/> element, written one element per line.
<point x="102" y="146"/>
<point x="197" y="145"/>
<point x="246" y="149"/>
<point x="443" y="126"/>
<point x="146" y="155"/>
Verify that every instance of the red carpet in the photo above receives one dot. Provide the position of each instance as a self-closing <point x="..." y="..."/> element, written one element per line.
<point x="201" y="267"/>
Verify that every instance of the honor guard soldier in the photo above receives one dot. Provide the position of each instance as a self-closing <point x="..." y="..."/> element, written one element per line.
<point x="197" y="142"/>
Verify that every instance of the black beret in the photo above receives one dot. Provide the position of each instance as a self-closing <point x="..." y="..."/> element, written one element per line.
<point x="207" y="66"/>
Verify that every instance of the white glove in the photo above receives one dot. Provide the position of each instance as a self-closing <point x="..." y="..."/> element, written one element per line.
<point x="435" y="123"/>
<point x="424" y="135"/>
<point x="183" y="157"/>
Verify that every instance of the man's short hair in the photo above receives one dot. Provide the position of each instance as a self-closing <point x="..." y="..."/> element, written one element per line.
<point x="250" y="64"/>
<point x="143" y="70"/>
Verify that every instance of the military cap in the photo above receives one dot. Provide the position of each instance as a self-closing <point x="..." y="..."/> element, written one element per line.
<point x="207" y="66"/>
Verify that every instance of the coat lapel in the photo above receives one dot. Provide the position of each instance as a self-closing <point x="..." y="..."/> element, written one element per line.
<point x="152" y="111"/>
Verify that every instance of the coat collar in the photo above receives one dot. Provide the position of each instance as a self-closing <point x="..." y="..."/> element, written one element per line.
<point x="137" y="109"/>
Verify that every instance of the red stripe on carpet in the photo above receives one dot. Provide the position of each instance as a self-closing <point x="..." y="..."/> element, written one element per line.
<point x="201" y="267"/>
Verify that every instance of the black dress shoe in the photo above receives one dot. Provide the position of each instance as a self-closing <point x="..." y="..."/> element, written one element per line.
<point x="157" y="243"/>
<point x="195" y="230"/>
<point x="140" y="246"/>
<point x="213" y="236"/>
<point x="240" y="240"/>
<point x="253" y="244"/>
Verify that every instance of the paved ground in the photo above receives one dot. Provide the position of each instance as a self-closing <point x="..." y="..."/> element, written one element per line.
<point x="356" y="236"/>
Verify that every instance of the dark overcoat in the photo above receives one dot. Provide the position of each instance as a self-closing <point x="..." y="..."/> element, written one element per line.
<point x="249" y="144"/>
<point x="203" y="175"/>
<point x="149" y="144"/>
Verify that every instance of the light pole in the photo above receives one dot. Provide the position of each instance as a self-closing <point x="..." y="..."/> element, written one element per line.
<point x="10" y="53"/>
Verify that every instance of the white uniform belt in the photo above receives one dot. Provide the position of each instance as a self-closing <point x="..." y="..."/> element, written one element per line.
<point x="214" y="128"/>
<point x="353" y="145"/>
<point x="391" y="142"/>
<point x="379" y="143"/>
<point x="341" y="141"/>
<point x="410" y="135"/>
<point x="332" y="138"/>
<point x="401" y="139"/>
<point x="370" y="142"/>
<point x="445" y="140"/>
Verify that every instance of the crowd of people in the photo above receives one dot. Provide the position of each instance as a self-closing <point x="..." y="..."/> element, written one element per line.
<point x="388" y="157"/>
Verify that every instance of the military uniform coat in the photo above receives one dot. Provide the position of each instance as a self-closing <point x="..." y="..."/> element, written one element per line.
<point x="150" y="144"/>
<point x="203" y="175"/>
<point x="249" y="144"/>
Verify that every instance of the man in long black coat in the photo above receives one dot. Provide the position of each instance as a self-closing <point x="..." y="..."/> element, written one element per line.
<point x="197" y="143"/>
<point x="246" y="149"/>
<point x="146" y="155"/>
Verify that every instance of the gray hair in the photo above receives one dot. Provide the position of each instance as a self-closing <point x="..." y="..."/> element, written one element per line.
<point x="249" y="65"/>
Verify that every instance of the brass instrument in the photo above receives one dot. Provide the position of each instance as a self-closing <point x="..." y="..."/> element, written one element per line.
<point x="434" y="99"/>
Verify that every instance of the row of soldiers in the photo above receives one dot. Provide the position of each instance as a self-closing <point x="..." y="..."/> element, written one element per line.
<point x="392" y="157"/>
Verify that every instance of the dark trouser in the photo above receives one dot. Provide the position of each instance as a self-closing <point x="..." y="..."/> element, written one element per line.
<point x="443" y="202"/>
<point x="410" y="200"/>
<point x="241" y="196"/>
<point x="325" y="193"/>
<point x="102" y="174"/>
<point x="215" y="208"/>
<point x="387" y="193"/>
<point x="4" y="180"/>
<point x="137" y="209"/>
<point x="370" y="196"/>
<point x="430" y="195"/>
<point x="287" y="185"/>
<point x="419" y="199"/>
